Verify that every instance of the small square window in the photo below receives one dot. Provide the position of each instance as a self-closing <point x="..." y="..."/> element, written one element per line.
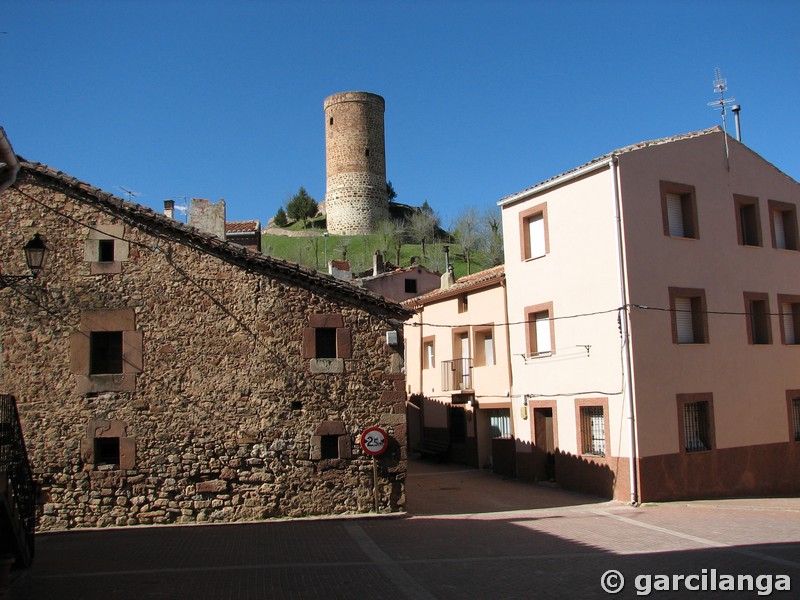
<point x="325" y="342"/>
<point x="411" y="286"/>
<point x="105" y="352"/>
<point x="106" y="451"/>
<point x="105" y="250"/>
<point x="330" y="446"/>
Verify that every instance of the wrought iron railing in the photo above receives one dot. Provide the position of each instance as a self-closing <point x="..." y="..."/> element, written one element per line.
<point x="457" y="374"/>
<point x="16" y="470"/>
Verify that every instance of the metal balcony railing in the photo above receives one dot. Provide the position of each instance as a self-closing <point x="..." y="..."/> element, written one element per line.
<point x="17" y="500"/>
<point x="457" y="374"/>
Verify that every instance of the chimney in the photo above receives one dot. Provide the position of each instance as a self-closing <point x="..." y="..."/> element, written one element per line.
<point x="169" y="208"/>
<point x="448" y="278"/>
<point x="736" y="108"/>
<point x="377" y="263"/>
<point x="207" y="216"/>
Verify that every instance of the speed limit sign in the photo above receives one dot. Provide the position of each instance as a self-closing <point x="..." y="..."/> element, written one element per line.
<point x="374" y="441"/>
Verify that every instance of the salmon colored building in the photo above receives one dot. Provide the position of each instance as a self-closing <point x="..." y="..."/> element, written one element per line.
<point x="458" y="372"/>
<point x="654" y="306"/>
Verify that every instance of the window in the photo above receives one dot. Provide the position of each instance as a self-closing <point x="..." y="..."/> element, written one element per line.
<point x="107" y="446"/>
<point x="679" y="210"/>
<point x="330" y="446"/>
<point x="783" y="221"/>
<point x="759" y="330"/>
<point x="500" y="423"/>
<point x="484" y="348"/>
<point x="696" y="422"/>
<point x="790" y="318"/>
<point x="540" y="331"/>
<point x="793" y="399"/>
<point x="748" y="221"/>
<point x="534" y="232"/>
<point x="593" y="430"/>
<point x="411" y="286"/>
<point x="106" y="451"/>
<point x="689" y="316"/>
<point x="325" y="342"/>
<point x="106" y="249"/>
<point x="428" y="354"/>
<point x="463" y="303"/>
<point x="106" y="352"/>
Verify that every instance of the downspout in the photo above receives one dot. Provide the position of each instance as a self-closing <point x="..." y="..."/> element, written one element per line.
<point x="624" y="323"/>
<point x="508" y="340"/>
<point x="9" y="164"/>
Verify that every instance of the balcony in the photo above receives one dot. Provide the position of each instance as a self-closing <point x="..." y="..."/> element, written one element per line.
<point x="457" y="374"/>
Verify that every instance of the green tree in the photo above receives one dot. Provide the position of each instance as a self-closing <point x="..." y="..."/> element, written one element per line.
<point x="280" y="218"/>
<point x="390" y="193"/>
<point x="301" y="207"/>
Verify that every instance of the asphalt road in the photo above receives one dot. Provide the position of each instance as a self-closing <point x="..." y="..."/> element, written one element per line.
<point x="469" y="534"/>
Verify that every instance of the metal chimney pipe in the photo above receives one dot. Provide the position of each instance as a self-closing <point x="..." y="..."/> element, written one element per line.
<point x="736" y="108"/>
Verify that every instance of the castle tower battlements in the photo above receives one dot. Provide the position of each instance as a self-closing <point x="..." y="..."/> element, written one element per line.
<point x="356" y="198"/>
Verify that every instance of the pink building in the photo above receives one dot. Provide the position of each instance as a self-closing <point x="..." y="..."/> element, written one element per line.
<point x="458" y="372"/>
<point x="654" y="302"/>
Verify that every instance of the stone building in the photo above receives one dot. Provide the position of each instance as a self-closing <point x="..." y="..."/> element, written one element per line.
<point x="356" y="197"/>
<point x="164" y="375"/>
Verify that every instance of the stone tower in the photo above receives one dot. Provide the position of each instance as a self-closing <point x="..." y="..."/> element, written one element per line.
<point x="355" y="163"/>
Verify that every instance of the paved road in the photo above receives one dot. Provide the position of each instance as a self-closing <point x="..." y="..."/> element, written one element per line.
<point x="470" y="535"/>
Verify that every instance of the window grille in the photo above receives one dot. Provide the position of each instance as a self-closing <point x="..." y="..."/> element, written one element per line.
<point x="696" y="427"/>
<point x="593" y="430"/>
<point x="500" y="423"/>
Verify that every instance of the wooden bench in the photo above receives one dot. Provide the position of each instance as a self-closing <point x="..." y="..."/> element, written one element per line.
<point x="435" y="448"/>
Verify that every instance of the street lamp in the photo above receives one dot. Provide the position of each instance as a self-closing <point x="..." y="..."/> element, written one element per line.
<point x="35" y="252"/>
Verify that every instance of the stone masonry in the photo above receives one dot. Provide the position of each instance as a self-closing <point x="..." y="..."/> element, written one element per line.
<point x="356" y="198"/>
<point x="220" y="410"/>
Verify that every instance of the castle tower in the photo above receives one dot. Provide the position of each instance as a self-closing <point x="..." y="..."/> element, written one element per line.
<point x="355" y="163"/>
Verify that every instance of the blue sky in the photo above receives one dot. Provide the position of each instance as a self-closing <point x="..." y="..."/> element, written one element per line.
<point x="223" y="99"/>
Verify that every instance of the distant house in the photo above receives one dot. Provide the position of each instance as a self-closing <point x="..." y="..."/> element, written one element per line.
<point x="164" y="375"/>
<point x="654" y="309"/>
<point x="244" y="233"/>
<point x="458" y="371"/>
<point x="397" y="283"/>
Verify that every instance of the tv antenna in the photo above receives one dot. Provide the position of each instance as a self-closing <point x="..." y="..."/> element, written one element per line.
<point x="720" y="87"/>
<point x="129" y="192"/>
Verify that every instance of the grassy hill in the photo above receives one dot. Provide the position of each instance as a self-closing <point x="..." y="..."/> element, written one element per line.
<point x="312" y="251"/>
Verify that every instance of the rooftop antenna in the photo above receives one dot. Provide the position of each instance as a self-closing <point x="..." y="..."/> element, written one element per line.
<point x="130" y="193"/>
<point x="182" y="207"/>
<point x="720" y="87"/>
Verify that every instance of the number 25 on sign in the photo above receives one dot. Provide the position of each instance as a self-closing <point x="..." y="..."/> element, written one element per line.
<point x="374" y="442"/>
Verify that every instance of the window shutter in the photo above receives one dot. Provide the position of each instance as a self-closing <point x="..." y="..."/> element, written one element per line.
<point x="132" y="351"/>
<point x="543" y="344"/>
<point x="309" y="349"/>
<point x="536" y="236"/>
<point x="488" y="349"/>
<point x="675" y="215"/>
<point x="780" y="229"/>
<point x="79" y="353"/>
<point x="344" y="344"/>
<point x="683" y="320"/>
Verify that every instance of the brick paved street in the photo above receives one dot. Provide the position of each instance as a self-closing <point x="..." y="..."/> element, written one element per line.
<point x="471" y="534"/>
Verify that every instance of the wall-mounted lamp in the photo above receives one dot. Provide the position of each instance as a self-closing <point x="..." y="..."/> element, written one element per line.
<point x="35" y="253"/>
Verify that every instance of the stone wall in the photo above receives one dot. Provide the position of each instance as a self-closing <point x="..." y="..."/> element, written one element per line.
<point x="222" y="417"/>
<point x="356" y="196"/>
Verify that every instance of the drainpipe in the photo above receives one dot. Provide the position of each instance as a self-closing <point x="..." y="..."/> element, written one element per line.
<point x="624" y="323"/>
<point x="9" y="165"/>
